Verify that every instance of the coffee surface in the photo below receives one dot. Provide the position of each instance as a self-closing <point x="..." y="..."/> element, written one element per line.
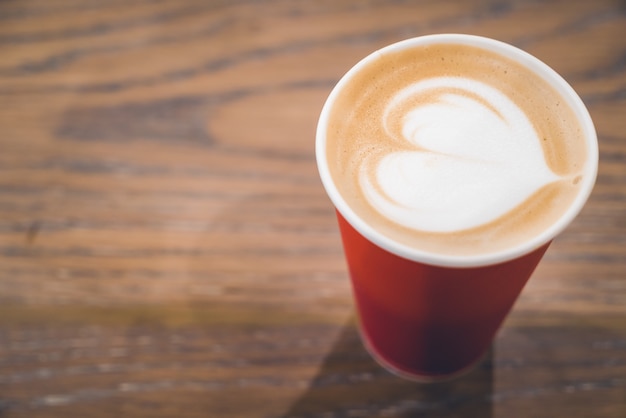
<point x="454" y="149"/>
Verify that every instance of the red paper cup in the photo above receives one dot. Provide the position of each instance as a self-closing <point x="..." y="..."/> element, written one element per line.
<point x="427" y="321"/>
<point x="426" y="316"/>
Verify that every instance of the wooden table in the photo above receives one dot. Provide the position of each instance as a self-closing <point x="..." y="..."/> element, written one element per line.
<point x="167" y="249"/>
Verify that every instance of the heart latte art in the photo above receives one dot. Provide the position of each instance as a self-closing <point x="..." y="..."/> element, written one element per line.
<point x="473" y="156"/>
<point x="452" y="148"/>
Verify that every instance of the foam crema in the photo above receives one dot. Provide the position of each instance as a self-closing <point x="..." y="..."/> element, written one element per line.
<point x="453" y="148"/>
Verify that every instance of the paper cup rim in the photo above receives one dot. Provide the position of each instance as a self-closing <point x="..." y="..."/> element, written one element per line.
<point x="490" y="258"/>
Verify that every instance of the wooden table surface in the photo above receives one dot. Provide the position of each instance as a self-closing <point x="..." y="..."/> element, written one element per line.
<point x="166" y="246"/>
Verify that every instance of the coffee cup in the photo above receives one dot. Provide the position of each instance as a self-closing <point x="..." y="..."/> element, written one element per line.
<point x="452" y="162"/>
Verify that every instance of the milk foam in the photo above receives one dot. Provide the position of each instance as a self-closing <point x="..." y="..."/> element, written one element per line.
<point x="468" y="156"/>
<point x="453" y="150"/>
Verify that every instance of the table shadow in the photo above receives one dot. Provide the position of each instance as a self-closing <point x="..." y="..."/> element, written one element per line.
<point x="350" y="383"/>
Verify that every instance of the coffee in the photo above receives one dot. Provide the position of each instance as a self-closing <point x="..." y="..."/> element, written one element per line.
<point x="453" y="149"/>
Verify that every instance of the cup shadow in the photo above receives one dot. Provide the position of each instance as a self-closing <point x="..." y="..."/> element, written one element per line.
<point x="350" y="383"/>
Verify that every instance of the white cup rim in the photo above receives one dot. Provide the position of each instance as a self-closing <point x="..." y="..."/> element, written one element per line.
<point x="444" y="260"/>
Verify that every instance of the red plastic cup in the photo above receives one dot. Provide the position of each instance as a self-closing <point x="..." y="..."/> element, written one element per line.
<point x="425" y="316"/>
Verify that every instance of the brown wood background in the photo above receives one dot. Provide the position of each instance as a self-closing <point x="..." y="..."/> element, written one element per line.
<point x="166" y="247"/>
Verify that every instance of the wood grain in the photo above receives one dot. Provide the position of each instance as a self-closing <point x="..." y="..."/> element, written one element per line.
<point x="166" y="247"/>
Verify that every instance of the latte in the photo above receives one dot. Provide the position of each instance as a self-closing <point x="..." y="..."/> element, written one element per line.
<point x="454" y="148"/>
